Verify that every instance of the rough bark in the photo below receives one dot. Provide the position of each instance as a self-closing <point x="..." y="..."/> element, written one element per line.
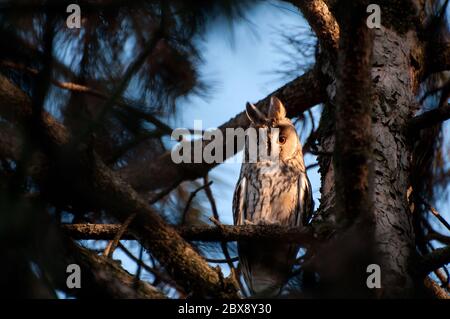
<point x="397" y="52"/>
<point x="321" y="21"/>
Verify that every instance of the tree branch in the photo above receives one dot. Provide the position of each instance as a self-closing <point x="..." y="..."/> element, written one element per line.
<point x="155" y="272"/>
<point x="429" y="118"/>
<point x="434" y="290"/>
<point x="434" y="260"/>
<point x="322" y="21"/>
<point x="129" y="105"/>
<point x="202" y="233"/>
<point x="102" y="276"/>
<point x="439" y="237"/>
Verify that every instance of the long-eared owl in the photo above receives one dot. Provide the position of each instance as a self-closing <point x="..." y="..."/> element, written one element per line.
<point x="272" y="189"/>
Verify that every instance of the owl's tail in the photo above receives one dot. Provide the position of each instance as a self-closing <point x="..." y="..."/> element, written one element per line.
<point x="266" y="266"/>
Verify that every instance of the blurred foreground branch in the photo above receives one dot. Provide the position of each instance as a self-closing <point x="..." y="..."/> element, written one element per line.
<point x="96" y="185"/>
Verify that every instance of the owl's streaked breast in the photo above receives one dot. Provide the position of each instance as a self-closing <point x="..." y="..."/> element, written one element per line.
<point x="271" y="197"/>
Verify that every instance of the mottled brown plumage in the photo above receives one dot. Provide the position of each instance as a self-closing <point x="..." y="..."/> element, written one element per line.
<point x="271" y="190"/>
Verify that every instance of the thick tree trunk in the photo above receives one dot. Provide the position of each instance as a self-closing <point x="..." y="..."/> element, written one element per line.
<point x="397" y="53"/>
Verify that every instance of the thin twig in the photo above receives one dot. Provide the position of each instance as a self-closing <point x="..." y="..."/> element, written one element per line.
<point x="120" y="88"/>
<point x="433" y="235"/>
<point x="216" y="217"/>
<point x="164" y="192"/>
<point x="221" y="261"/>
<point x="131" y="106"/>
<point x="189" y="201"/>
<point x="156" y="273"/>
<point x="313" y="165"/>
<point x="109" y="250"/>
<point x="138" y="271"/>
<point x="305" y="237"/>
<point x="436" y="213"/>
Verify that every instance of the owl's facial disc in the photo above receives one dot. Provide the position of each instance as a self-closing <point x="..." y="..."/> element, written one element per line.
<point x="288" y="142"/>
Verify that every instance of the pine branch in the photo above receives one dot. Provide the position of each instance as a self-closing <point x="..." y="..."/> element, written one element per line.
<point x="202" y="233"/>
<point x="322" y="21"/>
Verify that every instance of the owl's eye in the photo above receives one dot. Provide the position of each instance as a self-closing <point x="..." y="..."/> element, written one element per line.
<point x="282" y="139"/>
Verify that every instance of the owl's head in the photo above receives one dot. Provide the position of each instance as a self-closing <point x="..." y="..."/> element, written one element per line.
<point x="285" y="136"/>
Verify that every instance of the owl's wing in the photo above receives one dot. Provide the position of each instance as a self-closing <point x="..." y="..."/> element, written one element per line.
<point x="239" y="200"/>
<point x="305" y="207"/>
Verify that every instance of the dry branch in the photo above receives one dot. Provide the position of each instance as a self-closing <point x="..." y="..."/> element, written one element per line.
<point x="439" y="237"/>
<point x="105" y="277"/>
<point x="202" y="233"/>
<point x="434" y="290"/>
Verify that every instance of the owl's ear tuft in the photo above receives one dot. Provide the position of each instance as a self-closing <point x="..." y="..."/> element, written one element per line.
<point x="254" y="115"/>
<point x="276" y="110"/>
